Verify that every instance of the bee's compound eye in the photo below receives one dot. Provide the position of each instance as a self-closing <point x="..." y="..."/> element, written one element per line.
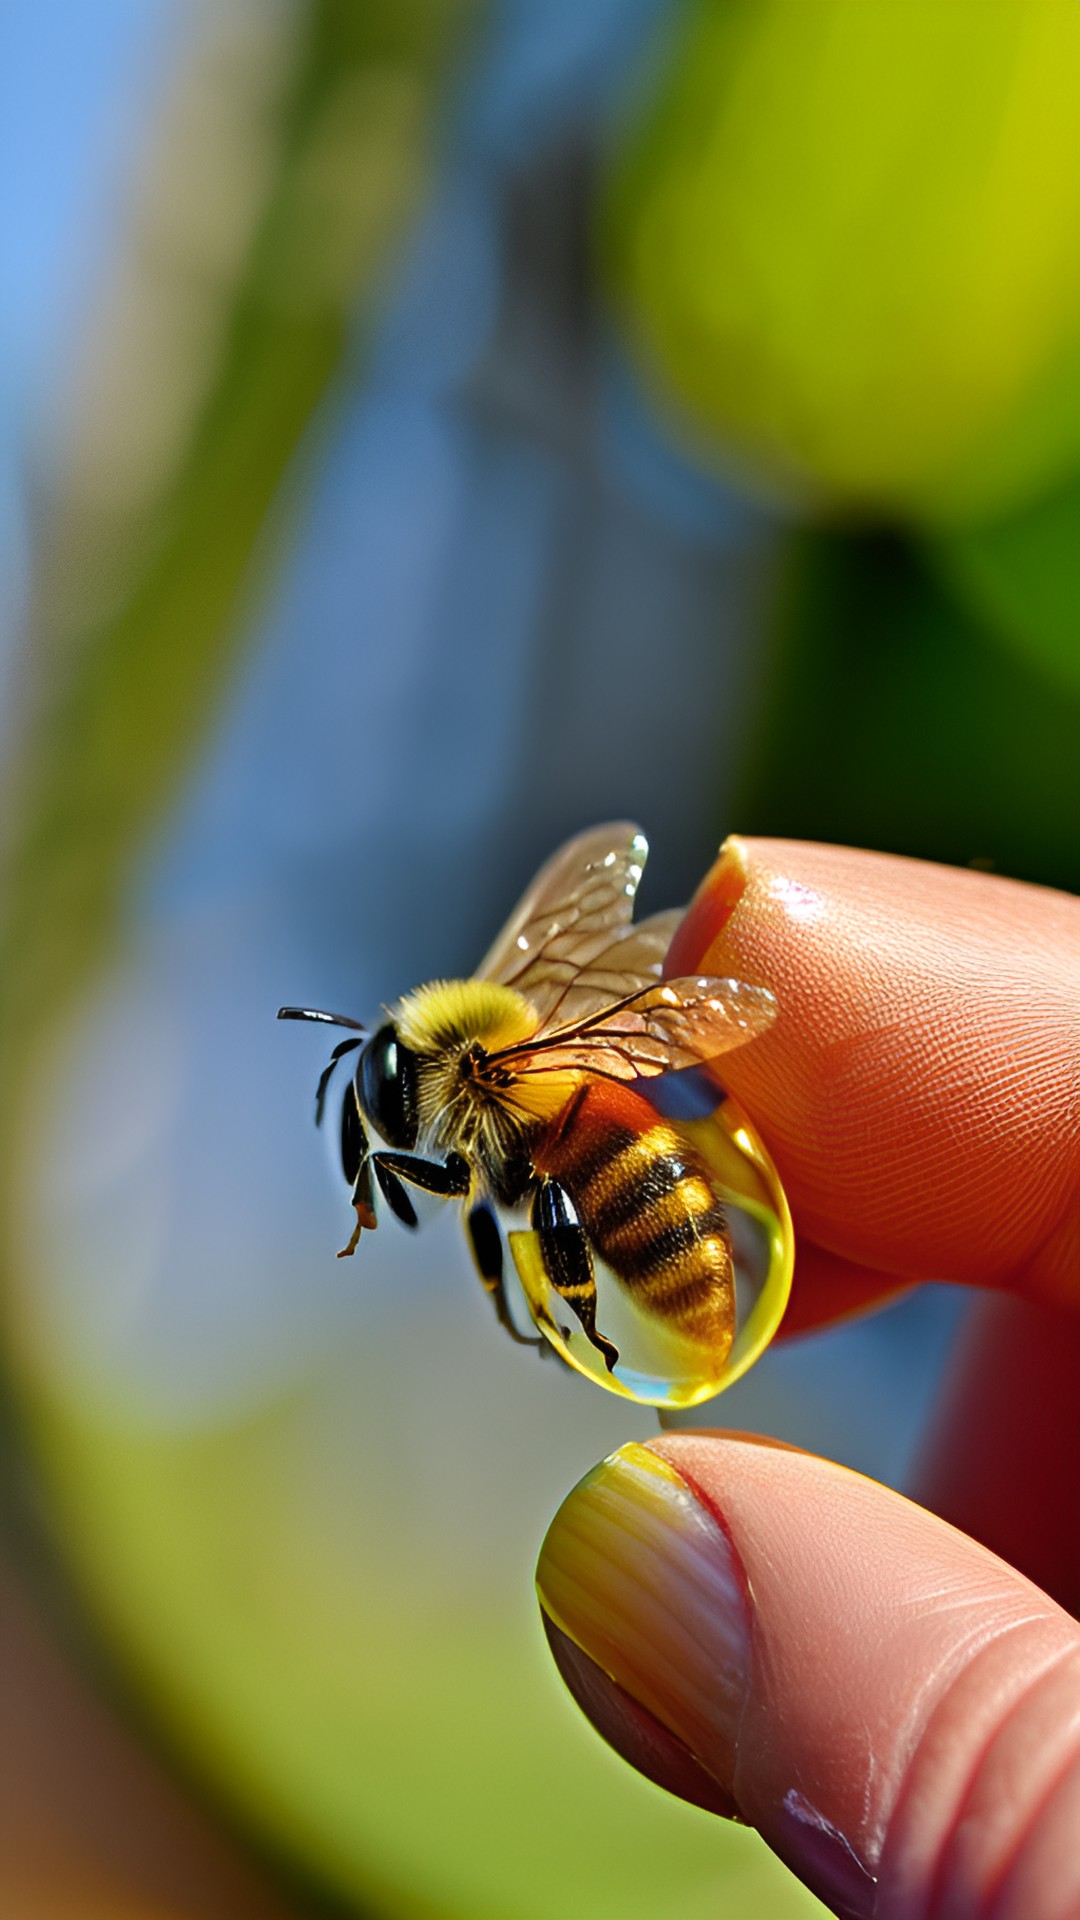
<point x="387" y="1082"/>
<point x="353" y="1142"/>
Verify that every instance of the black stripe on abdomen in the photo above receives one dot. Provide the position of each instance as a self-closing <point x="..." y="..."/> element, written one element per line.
<point x="647" y="1205"/>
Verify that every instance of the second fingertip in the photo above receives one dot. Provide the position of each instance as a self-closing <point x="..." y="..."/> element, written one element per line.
<point x="641" y="1576"/>
<point x="731" y="1694"/>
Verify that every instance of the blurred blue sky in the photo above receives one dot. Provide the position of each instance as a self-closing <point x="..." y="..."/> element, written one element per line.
<point x="75" y="85"/>
<point x="431" y="703"/>
<point x="73" y="90"/>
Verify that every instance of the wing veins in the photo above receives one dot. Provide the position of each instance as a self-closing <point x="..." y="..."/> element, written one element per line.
<point x="728" y="1014"/>
<point x="561" y="1036"/>
<point x="577" y="908"/>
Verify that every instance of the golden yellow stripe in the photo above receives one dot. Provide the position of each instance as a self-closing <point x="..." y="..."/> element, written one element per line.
<point x="688" y="1200"/>
<point x="708" y="1261"/>
<point x="631" y="1162"/>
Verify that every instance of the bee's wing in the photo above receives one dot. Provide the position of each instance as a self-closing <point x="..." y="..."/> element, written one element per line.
<point x="664" y="1027"/>
<point x="569" y="946"/>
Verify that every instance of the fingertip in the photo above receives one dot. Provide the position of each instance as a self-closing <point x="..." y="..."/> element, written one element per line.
<point x="827" y="1289"/>
<point x="919" y="1087"/>
<point x="711" y="907"/>
<point x="836" y="1660"/>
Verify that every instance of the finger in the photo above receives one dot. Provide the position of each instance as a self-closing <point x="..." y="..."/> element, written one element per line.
<point x="920" y="1090"/>
<point x="1002" y="1456"/>
<point x="896" y="1710"/>
<point x="830" y="1288"/>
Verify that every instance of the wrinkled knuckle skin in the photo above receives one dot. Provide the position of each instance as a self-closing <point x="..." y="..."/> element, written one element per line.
<point x="987" y="1825"/>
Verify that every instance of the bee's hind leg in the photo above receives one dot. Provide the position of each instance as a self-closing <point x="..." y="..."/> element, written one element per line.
<point x="486" y="1243"/>
<point x="568" y="1261"/>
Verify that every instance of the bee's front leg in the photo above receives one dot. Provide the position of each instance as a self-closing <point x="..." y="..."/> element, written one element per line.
<point x="449" y="1179"/>
<point x="356" y="1166"/>
<point x="568" y="1261"/>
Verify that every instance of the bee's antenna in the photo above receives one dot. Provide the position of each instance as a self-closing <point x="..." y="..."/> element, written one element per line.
<point x="323" y="1019"/>
<point x="326" y="1019"/>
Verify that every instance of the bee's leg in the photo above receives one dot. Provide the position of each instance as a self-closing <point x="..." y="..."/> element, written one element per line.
<point x="449" y="1179"/>
<point x="356" y="1166"/>
<point x="363" y="1200"/>
<point x="343" y="1047"/>
<point x="568" y="1261"/>
<point x="352" y="1140"/>
<point x="486" y="1243"/>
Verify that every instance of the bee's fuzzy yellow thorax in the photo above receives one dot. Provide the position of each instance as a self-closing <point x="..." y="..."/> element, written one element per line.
<point x="452" y="1013"/>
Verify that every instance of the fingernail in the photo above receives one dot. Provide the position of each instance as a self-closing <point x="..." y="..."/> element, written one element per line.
<point x="642" y="1577"/>
<point x="711" y="907"/>
<point x="633" y="1732"/>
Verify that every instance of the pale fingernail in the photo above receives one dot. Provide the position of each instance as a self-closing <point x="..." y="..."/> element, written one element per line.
<point x="644" y="1579"/>
<point x="711" y="907"/>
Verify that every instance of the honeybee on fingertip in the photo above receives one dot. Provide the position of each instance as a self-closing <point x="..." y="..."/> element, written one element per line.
<point x="523" y="1092"/>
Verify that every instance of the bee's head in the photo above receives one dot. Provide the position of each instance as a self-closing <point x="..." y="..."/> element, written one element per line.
<point x="387" y="1083"/>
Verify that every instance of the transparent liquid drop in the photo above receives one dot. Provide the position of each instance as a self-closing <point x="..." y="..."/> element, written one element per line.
<point x="658" y="1365"/>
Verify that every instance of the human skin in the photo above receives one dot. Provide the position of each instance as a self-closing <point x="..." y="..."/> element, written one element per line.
<point x="894" y="1706"/>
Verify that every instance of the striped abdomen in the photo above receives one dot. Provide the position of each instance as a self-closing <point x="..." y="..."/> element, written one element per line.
<point x="645" y="1200"/>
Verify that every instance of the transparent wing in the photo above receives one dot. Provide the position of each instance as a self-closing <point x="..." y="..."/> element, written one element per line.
<point x="634" y="958"/>
<point x="662" y="1028"/>
<point x="631" y="961"/>
<point x="569" y="946"/>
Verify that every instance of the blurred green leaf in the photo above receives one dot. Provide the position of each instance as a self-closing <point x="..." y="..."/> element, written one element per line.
<point x="1021" y="577"/>
<point x="408" y="1737"/>
<point x="843" y="244"/>
<point x="890" y="723"/>
<point x="281" y="180"/>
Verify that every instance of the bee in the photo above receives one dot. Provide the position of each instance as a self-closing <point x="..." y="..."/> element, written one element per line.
<point x="524" y="1089"/>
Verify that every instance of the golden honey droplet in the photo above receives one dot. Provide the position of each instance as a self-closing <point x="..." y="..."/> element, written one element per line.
<point x="660" y="1365"/>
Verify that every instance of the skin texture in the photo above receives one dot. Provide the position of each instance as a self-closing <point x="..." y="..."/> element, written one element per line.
<point x="895" y="1707"/>
<point x="920" y="1089"/>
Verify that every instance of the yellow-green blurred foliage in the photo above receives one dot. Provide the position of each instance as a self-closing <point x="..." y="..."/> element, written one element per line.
<point x="844" y="242"/>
